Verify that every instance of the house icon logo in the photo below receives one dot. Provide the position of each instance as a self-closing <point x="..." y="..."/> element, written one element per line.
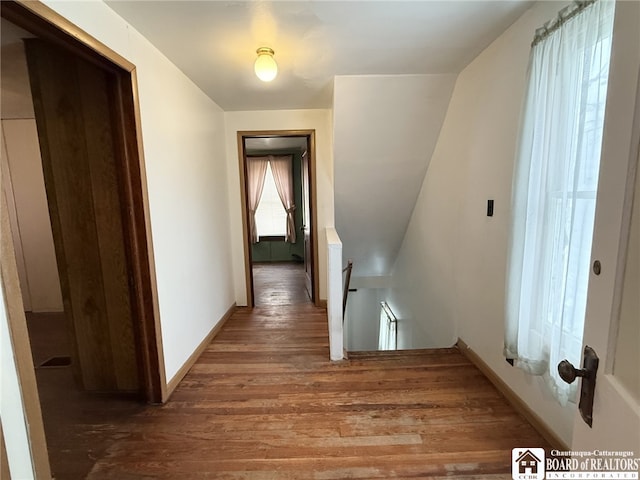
<point x="527" y="463"/>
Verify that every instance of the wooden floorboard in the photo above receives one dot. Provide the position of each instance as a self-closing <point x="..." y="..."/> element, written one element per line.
<point x="279" y="283"/>
<point x="264" y="402"/>
<point x="79" y="426"/>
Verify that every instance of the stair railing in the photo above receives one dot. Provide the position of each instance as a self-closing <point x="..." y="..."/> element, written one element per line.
<point x="345" y="292"/>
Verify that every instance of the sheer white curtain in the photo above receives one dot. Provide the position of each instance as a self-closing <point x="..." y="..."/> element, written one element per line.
<point x="554" y="196"/>
<point x="256" y="172"/>
<point x="281" y="167"/>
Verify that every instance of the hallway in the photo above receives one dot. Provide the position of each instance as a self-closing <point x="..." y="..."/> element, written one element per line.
<point x="264" y="402"/>
<point x="281" y="283"/>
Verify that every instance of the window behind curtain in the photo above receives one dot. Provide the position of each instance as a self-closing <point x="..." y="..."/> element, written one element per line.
<point x="271" y="217"/>
<point x="554" y="196"/>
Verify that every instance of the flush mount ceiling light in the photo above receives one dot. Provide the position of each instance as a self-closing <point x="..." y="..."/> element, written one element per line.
<point x="265" y="67"/>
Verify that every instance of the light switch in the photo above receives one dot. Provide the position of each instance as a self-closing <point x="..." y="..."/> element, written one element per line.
<point x="489" y="208"/>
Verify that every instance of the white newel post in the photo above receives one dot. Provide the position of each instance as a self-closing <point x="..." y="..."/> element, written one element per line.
<point x="334" y="294"/>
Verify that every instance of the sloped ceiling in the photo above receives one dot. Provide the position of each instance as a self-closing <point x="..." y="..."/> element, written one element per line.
<point x="215" y="42"/>
<point x="385" y="131"/>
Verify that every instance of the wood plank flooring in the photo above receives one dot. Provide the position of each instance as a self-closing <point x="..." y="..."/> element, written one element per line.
<point x="79" y="426"/>
<point x="264" y="402"/>
<point x="281" y="283"/>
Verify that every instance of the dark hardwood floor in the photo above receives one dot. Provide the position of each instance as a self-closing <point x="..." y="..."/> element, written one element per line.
<point x="264" y="402"/>
<point x="281" y="283"/>
<point x="48" y="336"/>
<point x="79" y="426"/>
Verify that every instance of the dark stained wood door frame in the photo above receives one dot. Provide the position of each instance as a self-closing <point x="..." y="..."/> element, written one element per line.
<point x="311" y="148"/>
<point x="46" y="24"/>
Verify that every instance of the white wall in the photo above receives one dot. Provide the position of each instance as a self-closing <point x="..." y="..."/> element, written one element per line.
<point x="451" y="268"/>
<point x="23" y="182"/>
<point x="14" y="422"/>
<point x="385" y="130"/>
<point x="362" y="319"/>
<point x="31" y="227"/>
<point x="15" y="91"/>
<point x="320" y="121"/>
<point x="183" y="135"/>
<point x="334" y="293"/>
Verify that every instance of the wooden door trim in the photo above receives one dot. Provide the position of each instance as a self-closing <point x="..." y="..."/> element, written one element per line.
<point x="45" y="23"/>
<point x="139" y="240"/>
<point x="42" y="21"/>
<point x="19" y="339"/>
<point x="311" y="145"/>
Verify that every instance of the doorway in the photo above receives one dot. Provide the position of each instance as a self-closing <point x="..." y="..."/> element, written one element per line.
<point x="109" y="207"/>
<point x="280" y="267"/>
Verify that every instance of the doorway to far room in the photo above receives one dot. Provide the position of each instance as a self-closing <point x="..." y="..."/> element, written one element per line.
<point x="277" y="186"/>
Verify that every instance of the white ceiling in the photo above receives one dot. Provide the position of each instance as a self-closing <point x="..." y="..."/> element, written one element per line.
<point x="214" y="42"/>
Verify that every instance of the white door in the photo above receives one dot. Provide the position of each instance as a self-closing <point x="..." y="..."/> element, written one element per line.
<point x="612" y="325"/>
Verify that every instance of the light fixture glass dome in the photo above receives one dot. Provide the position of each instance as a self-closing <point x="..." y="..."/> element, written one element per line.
<point x="265" y="67"/>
